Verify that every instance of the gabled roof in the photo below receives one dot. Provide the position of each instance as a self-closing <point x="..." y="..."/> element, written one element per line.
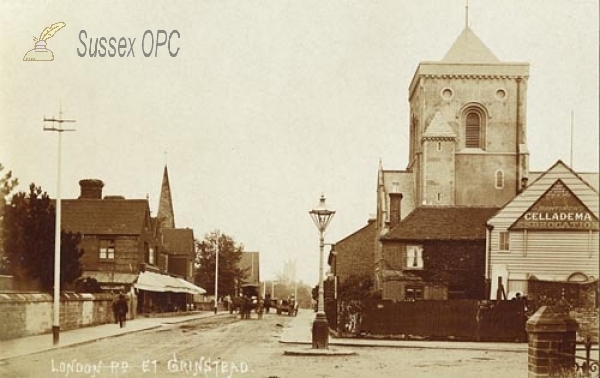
<point x="443" y="223"/>
<point x="178" y="240"/>
<point x="439" y="128"/>
<point x="557" y="205"/>
<point x="468" y="48"/>
<point x="585" y="192"/>
<point x="369" y="228"/>
<point x="591" y="178"/>
<point x="105" y="216"/>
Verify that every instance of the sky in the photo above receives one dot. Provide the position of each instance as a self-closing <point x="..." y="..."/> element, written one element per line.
<point x="269" y="104"/>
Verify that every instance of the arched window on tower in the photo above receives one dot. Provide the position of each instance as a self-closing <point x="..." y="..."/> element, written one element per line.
<point x="474" y="128"/>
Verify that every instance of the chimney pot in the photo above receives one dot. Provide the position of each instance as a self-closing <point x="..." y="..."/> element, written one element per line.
<point x="91" y="188"/>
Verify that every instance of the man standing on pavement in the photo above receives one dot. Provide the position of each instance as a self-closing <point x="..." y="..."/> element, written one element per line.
<point x="267" y="303"/>
<point x="122" y="309"/>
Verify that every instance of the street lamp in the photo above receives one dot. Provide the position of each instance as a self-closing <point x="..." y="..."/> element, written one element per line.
<point x="321" y="215"/>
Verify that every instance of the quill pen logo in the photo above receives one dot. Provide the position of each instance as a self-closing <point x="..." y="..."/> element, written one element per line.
<point x="40" y="52"/>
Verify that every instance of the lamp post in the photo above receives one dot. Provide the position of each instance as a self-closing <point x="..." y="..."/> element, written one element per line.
<point x="321" y="215"/>
<point x="57" y="125"/>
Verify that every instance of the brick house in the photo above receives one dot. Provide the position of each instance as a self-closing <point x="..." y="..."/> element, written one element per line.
<point x="353" y="255"/>
<point x="436" y="252"/>
<point x="117" y="234"/>
<point x="177" y="252"/>
<point x="120" y="248"/>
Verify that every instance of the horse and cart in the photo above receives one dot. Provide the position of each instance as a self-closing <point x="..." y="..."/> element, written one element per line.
<point x="248" y="301"/>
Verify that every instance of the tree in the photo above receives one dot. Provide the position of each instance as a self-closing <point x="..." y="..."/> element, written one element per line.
<point x="7" y="184"/>
<point x="28" y="240"/>
<point x="230" y="253"/>
<point x="359" y="286"/>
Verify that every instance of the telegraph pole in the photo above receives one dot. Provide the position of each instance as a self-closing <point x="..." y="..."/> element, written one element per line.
<point x="56" y="124"/>
<point x="216" y="272"/>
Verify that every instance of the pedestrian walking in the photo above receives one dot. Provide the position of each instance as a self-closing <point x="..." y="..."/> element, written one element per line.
<point x="115" y="310"/>
<point x="267" y="303"/>
<point x="122" y="310"/>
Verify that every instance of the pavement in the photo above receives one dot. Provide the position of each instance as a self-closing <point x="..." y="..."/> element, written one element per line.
<point x="297" y="332"/>
<point x="24" y="346"/>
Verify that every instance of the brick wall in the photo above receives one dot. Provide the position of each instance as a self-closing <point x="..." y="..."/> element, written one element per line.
<point x="355" y="253"/>
<point x="32" y="313"/>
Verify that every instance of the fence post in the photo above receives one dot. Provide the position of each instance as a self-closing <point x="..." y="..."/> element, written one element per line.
<point x="551" y="330"/>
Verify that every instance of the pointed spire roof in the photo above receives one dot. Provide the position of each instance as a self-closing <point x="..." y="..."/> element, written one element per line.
<point x="468" y="48"/>
<point x="165" y="215"/>
<point x="439" y="128"/>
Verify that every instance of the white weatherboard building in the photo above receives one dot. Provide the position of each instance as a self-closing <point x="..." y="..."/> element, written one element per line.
<point x="547" y="232"/>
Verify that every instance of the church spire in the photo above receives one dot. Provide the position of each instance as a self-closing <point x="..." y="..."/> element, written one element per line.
<point x="165" y="215"/>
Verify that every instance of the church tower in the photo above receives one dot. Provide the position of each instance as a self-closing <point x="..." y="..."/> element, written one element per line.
<point x="165" y="216"/>
<point x="467" y="127"/>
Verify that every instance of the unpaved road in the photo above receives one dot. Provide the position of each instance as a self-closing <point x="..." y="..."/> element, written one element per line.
<point x="226" y="346"/>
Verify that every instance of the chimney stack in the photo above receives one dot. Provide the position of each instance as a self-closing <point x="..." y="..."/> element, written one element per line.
<point x="91" y="189"/>
<point x="395" y="206"/>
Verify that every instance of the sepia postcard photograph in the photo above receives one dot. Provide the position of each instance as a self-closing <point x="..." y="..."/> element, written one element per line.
<point x="299" y="188"/>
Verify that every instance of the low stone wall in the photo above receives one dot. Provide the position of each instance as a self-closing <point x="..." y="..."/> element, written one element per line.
<point x="27" y="314"/>
<point x="588" y="321"/>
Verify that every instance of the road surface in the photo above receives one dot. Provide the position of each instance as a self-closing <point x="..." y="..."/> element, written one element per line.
<point x="225" y="346"/>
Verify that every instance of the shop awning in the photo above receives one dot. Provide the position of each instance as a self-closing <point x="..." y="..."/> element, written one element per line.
<point x="163" y="283"/>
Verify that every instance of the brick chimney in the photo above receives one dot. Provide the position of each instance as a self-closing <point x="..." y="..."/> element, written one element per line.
<point x="91" y="189"/>
<point x="395" y="206"/>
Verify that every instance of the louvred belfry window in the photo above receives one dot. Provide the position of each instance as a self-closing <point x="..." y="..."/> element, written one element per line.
<point x="473" y="130"/>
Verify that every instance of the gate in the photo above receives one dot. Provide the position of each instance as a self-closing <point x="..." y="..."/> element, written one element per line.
<point x="567" y="365"/>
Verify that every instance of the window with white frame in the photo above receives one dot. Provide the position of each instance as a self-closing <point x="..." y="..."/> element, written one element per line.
<point x="413" y="293"/>
<point x="504" y="241"/>
<point x="414" y="257"/>
<point x="107" y="249"/>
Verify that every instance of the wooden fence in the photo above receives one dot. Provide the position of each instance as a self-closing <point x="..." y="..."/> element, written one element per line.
<point x="445" y="319"/>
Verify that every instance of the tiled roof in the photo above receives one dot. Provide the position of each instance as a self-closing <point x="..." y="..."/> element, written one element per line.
<point x="104" y="216"/>
<point x="369" y="228"/>
<point x="443" y="223"/>
<point x="468" y="48"/>
<point x="178" y="240"/>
